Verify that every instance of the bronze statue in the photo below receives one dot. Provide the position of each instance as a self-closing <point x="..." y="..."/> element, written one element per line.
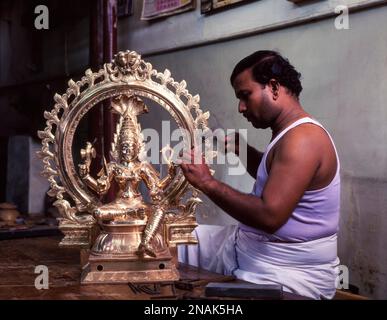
<point x="128" y="171"/>
<point x="128" y="239"/>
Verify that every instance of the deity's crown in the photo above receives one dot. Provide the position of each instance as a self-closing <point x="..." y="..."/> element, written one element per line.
<point x="128" y="129"/>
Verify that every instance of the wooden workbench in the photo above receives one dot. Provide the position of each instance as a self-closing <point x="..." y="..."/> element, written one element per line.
<point x="19" y="257"/>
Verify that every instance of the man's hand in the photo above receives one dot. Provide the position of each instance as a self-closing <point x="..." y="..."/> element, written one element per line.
<point x="196" y="170"/>
<point x="234" y="142"/>
<point x="231" y="143"/>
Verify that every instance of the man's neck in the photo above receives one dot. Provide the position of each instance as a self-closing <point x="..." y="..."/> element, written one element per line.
<point x="287" y="117"/>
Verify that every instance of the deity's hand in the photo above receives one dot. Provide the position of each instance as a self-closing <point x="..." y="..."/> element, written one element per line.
<point x="167" y="153"/>
<point x="87" y="155"/>
<point x="83" y="170"/>
<point x="172" y="168"/>
<point x="103" y="184"/>
<point x="156" y="195"/>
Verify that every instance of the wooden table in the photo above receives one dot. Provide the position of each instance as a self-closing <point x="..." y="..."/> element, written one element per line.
<point x="19" y="257"/>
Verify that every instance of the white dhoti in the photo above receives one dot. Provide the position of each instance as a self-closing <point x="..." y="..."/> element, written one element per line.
<point x="309" y="269"/>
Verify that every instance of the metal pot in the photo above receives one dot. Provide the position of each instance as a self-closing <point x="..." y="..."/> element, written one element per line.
<point x="8" y="213"/>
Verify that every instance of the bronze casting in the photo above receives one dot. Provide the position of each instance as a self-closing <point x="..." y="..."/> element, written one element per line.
<point x="128" y="239"/>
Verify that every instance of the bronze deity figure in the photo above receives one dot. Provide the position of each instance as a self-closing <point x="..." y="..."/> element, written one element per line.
<point x="127" y="239"/>
<point x="128" y="171"/>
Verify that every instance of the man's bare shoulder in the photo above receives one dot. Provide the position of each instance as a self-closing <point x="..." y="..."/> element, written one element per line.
<point x="308" y="146"/>
<point x="302" y="139"/>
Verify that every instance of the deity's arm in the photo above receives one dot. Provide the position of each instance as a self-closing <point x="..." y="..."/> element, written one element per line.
<point x="154" y="177"/>
<point x="102" y="184"/>
<point x="151" y="178"/>
<point x="172" y="168"/>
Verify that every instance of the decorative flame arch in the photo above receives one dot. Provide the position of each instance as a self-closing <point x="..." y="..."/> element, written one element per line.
<point x="126" y="74"/>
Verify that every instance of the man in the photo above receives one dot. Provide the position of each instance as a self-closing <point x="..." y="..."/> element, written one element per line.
<point x="288" y="224"/>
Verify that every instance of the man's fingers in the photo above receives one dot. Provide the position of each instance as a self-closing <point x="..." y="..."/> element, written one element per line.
<point x="229" y="137"/>
<point x="186" y="157"/>
<point x="232" y="137"/>
<point x="232" y="143"/>
<point x="193" y="156"/>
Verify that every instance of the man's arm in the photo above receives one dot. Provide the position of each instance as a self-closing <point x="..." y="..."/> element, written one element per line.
<point x="294" y="165"/>
<point x="254" y="158"/>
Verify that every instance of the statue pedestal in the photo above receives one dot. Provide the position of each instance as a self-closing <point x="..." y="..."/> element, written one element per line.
<point x="125" y="270"/>
<point x="113" y="258"/>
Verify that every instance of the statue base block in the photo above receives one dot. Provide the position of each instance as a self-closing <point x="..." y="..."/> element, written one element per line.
<point x="101" y="269"/>
<point x="113" y="258"/>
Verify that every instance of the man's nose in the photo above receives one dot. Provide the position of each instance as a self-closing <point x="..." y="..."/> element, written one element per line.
<point x="241" y="107"/>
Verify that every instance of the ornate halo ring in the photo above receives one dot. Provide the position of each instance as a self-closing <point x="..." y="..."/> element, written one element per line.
<point x="126" y="74"/>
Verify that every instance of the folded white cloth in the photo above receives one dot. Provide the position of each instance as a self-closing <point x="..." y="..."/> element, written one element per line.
<point x="308" y="268"/>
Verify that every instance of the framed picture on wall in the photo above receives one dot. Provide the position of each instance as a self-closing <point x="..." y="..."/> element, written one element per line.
<point x="154" y="9"/>
<point x="208" y="6"/>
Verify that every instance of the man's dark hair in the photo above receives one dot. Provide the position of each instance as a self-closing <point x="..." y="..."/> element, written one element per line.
<point x="267" y="65"/>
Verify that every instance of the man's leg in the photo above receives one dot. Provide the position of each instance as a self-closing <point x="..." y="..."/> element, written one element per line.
<point x="208" y="253"/>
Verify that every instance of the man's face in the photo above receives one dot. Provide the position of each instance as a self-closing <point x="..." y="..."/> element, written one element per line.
<point x="254" y="100"/>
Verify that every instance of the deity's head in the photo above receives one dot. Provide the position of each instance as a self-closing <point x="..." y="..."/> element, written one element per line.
<point x="127" y="146"/>
<point x="128" y="137"/>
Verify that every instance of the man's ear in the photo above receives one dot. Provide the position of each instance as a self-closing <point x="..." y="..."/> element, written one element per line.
<point x="274" y="87"/>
